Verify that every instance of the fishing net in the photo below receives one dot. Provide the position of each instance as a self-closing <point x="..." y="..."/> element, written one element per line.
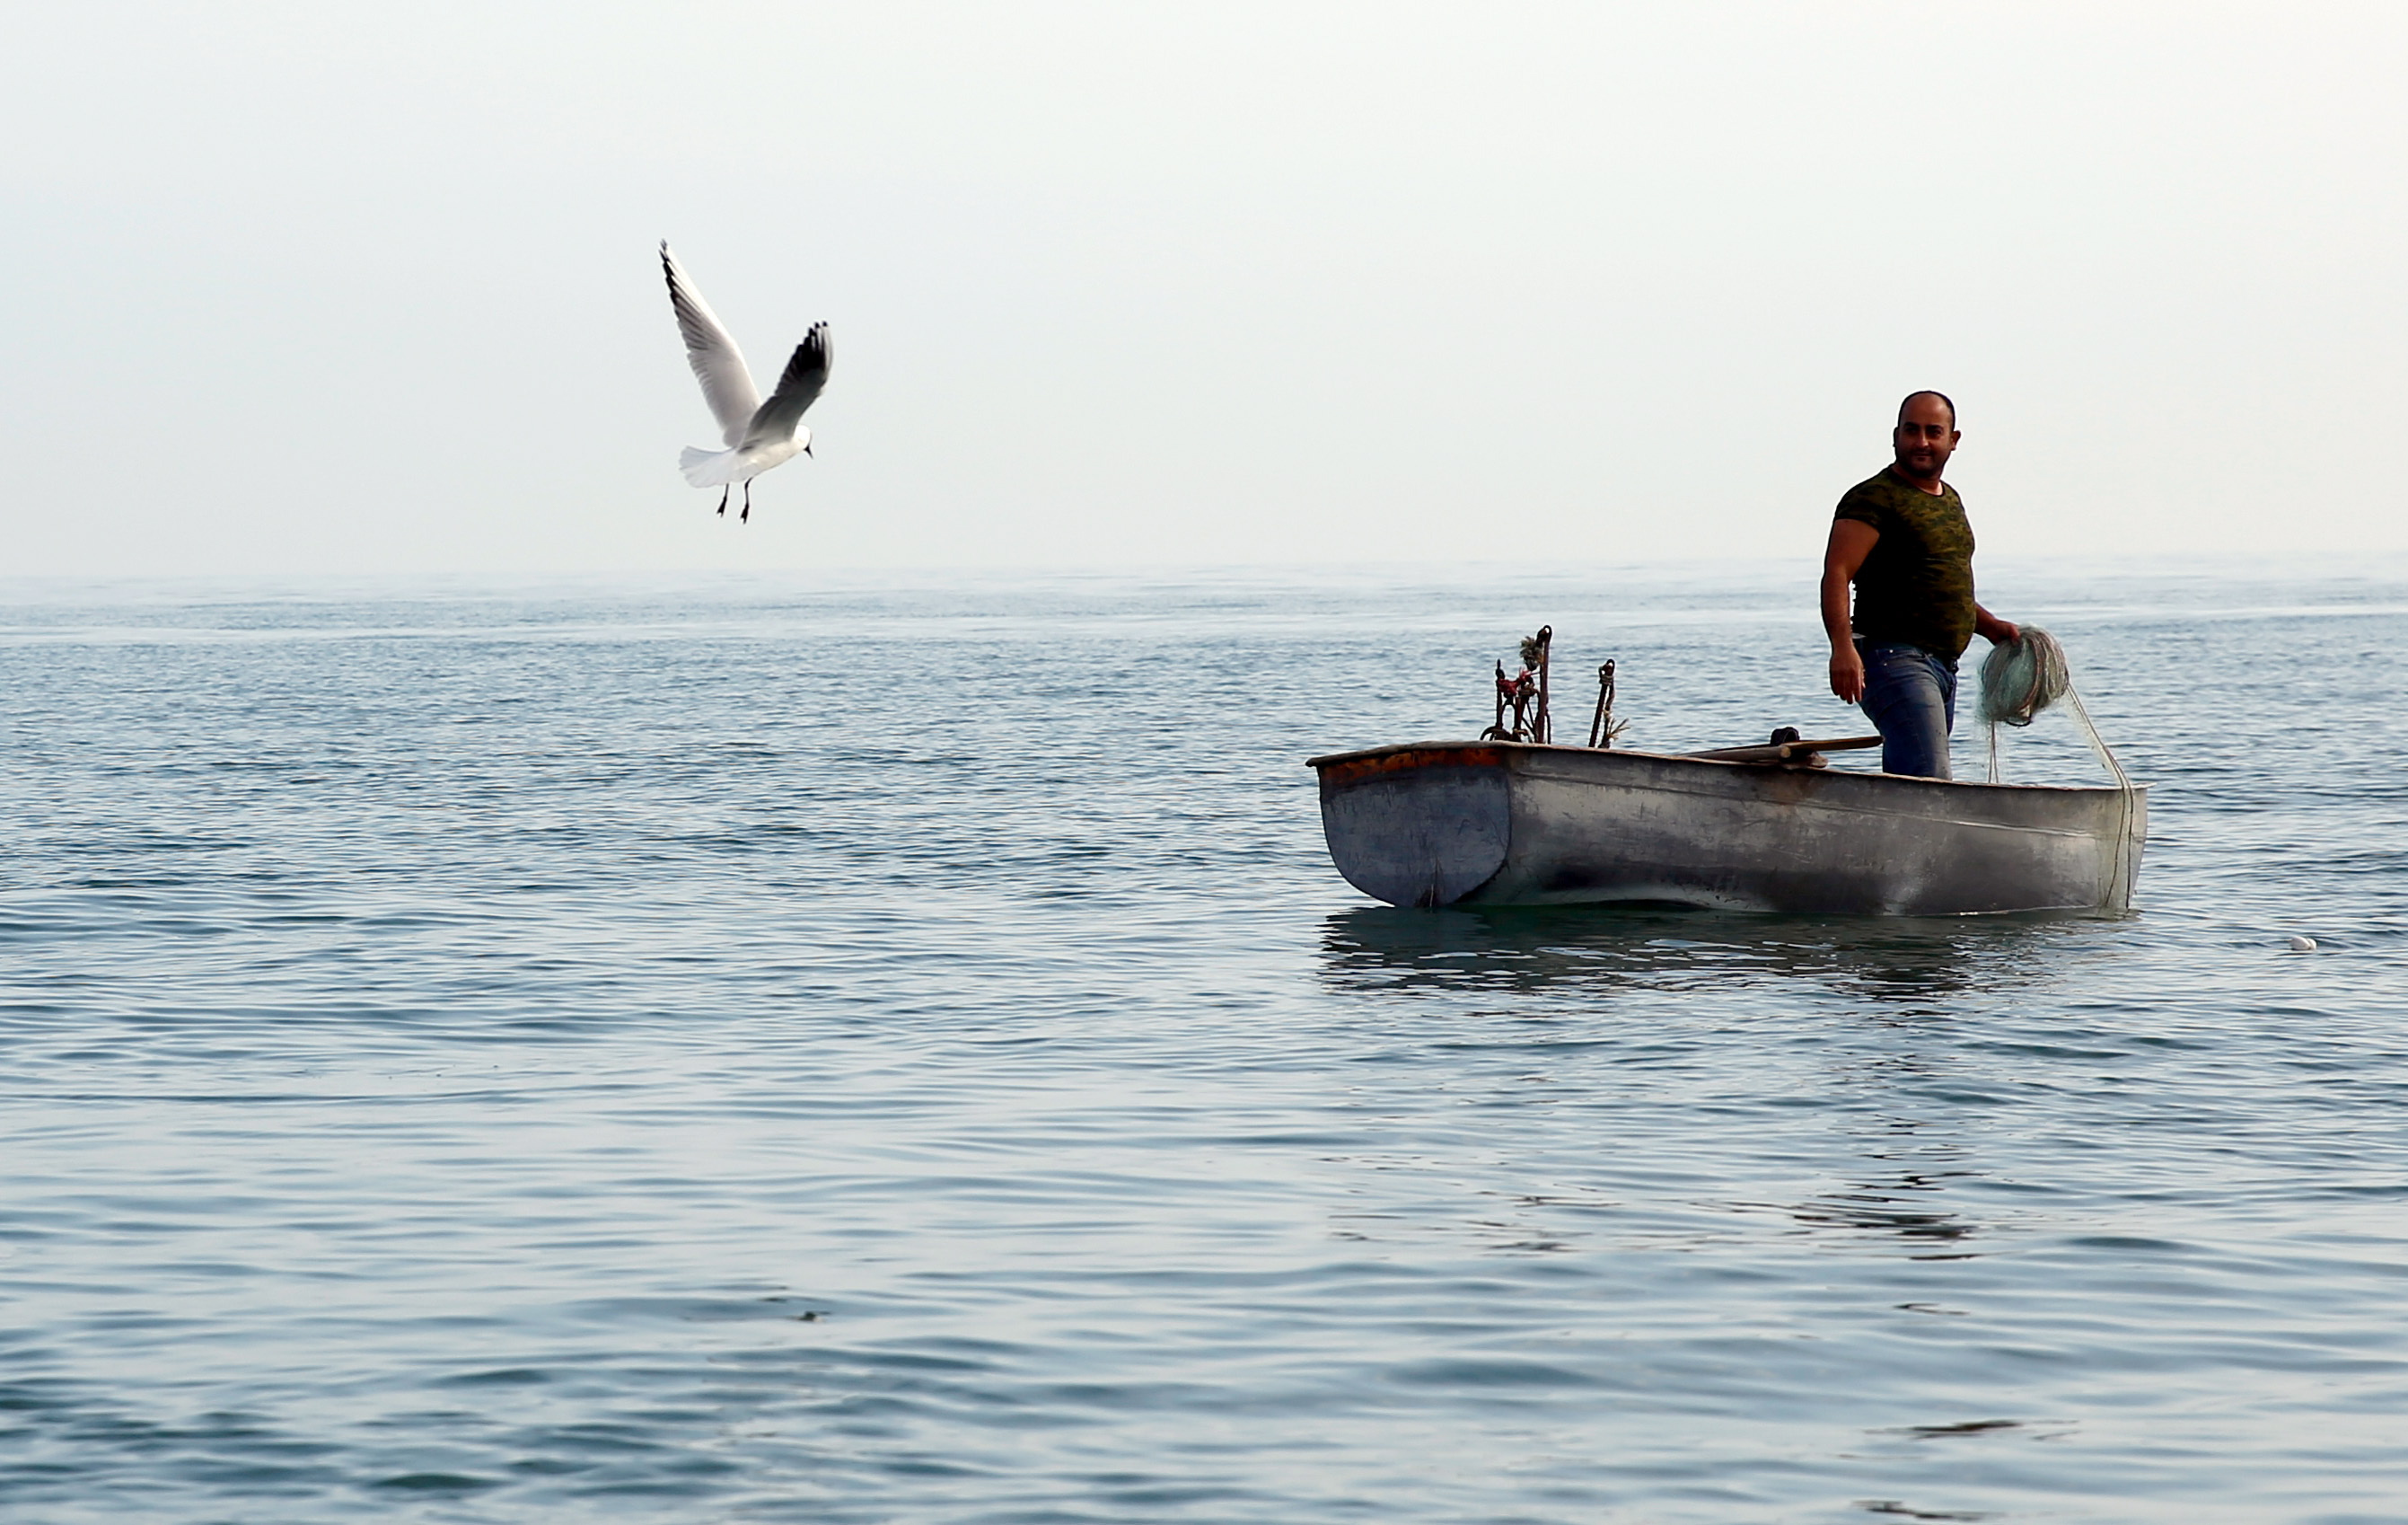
<point x="2023" y="677"/>
<point x="2027" y="675"/>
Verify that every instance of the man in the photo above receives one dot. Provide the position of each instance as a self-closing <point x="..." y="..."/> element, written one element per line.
<point x="1902" y="537"/>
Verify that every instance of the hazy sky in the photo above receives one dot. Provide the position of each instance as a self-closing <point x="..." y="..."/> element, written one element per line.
<point x="345" y="287"/>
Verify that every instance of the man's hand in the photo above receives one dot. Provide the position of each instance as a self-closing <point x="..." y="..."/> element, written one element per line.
<point x="1997" y="632"/>
<point x="1847" y="674"/>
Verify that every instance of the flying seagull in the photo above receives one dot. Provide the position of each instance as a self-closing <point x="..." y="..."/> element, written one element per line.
<point x="758" y="435"/>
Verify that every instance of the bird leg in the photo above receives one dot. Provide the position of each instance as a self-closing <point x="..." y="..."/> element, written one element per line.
<point x="746" y="517"/>
<point x="723" y="497"/>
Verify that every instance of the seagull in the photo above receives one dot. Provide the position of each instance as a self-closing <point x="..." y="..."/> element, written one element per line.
<point x="758" y="435"/>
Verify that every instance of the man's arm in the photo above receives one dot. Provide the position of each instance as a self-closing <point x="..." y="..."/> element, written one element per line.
<point x="1997" y="632"/>
<point x="1852" y="541"/>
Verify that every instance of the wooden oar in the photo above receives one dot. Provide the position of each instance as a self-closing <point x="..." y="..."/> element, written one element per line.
<point x="1782" y="751"/>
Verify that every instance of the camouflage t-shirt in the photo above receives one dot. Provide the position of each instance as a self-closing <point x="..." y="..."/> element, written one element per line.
<point x="1916" y="586"/>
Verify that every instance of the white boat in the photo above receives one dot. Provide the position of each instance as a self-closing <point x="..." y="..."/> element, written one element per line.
<point x="1750" y="828"/>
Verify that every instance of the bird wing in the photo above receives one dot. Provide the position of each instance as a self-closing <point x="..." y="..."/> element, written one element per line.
<point x="807" y="372"/>
<point x="717" y="362"/>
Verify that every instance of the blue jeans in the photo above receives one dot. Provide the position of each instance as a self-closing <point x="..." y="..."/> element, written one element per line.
<point x="1911" y="696"/>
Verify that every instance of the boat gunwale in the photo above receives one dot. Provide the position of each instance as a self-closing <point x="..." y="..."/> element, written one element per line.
<point x="1550" y="749"/>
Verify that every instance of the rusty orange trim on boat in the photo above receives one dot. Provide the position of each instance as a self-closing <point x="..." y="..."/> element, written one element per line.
<point x="1404" y="759"/>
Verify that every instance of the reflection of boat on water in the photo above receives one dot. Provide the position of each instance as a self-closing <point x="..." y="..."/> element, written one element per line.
<point x="1627" y="1007"/>
<point x="1597" y="953"/>
<point x="1515" y="823"/>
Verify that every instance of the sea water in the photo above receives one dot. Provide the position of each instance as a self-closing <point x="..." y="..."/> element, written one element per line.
<point x="856" y="1048"/>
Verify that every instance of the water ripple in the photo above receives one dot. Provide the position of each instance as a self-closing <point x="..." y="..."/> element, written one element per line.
<point x="840" y="1054"/>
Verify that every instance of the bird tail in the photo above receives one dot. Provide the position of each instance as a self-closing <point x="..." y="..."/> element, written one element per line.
<point x="706" y="468"/>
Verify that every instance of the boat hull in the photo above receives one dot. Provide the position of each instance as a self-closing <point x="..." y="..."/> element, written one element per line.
<point x="1500" y="822"/>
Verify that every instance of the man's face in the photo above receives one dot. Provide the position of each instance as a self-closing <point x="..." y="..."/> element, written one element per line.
<point x="1926" y="437"/>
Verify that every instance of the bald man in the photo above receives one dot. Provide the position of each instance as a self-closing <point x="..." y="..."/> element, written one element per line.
<point x="1903" y="538"/>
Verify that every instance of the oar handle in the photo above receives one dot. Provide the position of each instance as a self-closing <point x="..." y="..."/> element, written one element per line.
<point x="1780" y="751"/>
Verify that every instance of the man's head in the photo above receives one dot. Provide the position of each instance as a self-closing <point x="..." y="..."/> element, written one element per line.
<point x="1926" y="435"/>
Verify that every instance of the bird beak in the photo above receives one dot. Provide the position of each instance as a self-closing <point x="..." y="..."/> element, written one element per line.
<point x="806" y="449"/>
